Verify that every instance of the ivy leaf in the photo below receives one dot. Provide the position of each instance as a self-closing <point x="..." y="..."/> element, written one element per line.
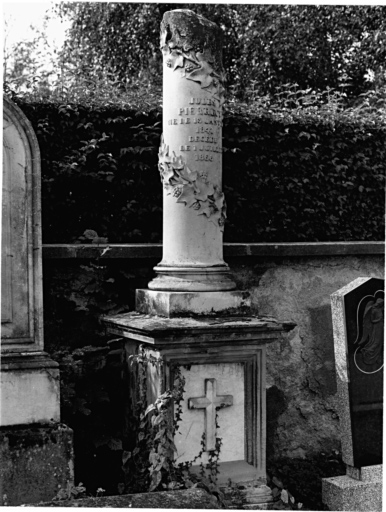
<point x="126" y="456"/>
<point x="284" y="496"/>
<point x="203" y="73"/>
<point x="185" y="173"/>
<point x="187" y="195"/>
<point x="149" y="408"/>
<point x="153" y="458"/>
<point x="115" y="444"/>
<point x="178" y="61"/>
<point x="277" y="482"/>
<point x="156" y="478"/>
<point x="156" y="420"/>
<point x="160" y="433"/>
<point x="203" y="190"/>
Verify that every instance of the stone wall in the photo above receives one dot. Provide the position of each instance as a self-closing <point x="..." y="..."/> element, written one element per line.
<point x="301" y="385"/>
<point x="289" y="281"/>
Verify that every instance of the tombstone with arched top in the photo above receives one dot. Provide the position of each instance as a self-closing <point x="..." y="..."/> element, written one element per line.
<point x="29" y="378"/>
<point x="35" y="449"/>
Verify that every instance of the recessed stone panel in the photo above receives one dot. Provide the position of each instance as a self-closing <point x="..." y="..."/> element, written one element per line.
<point x="229" y="380"/>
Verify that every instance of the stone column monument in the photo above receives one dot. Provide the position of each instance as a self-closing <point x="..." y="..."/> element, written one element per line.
<point x="191" y="317"/>
<point x="190" y="156"/>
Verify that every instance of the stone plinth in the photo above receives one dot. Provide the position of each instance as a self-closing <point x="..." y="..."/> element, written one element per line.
<point x="36" y="463"/>
<point x="190" y="157"/>
<point x="223" y="362"/>
<point x="348" y="493"/>
<point x="178" y="304"/>
<point x="29" y="389"/>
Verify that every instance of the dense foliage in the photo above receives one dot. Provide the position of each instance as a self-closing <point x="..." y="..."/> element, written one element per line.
<point x="302" y="169"/>
<point x="265" y="46"/>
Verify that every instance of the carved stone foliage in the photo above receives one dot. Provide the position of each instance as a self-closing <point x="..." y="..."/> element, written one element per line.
<point x="191" y="187"/>
<point x="191" y="42"/>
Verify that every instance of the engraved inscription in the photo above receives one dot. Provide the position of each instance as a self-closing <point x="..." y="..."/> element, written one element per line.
<point x="206" y="118"/>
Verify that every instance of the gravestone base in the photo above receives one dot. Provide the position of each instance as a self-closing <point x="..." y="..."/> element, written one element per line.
<point x="359" y="489"/>
<point x="29" y="389"/>
<point x="174" y="304"/>
<point x="37" y="461"/>
<point x="222" y="360"/>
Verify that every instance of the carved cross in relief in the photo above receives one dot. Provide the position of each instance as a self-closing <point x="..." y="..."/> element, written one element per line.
<point x="210" y="402"/>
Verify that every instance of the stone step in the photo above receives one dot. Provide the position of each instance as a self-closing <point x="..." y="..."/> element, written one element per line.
<point x="256" y="491"/>
<point x="258" y="499"/>
<point x="258" y="506"/>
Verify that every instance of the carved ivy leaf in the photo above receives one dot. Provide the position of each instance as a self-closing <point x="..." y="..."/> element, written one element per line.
<point x="187" y="174"/>
<point x="219" y="198"/>
<point x="203" y="190"/>
<point x="187" y="195"/>
<point x="178" y="59"/>
<point x="163" y="36"/>
<point x="213" y="215"/>
<point x="215" y="218"/>
<point x="169" y="188"/>
<point x="167" y="173"/>
<point x="205" y="56"/>
<point x="203" y="73"/>
<point x="191" y="56"/>
<point x="209" y="210"/>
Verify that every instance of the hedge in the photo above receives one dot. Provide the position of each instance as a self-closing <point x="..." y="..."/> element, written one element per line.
<point x="290" y="175"/>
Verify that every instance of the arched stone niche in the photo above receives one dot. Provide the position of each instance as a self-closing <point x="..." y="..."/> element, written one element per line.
<point x="21" y="269"/>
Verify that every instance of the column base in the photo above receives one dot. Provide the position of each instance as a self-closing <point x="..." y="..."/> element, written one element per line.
<point x="192" y="279"/>
<point x="364" y="492"/>
<point x="177" y="304"/>
<point x="29" y="389"/>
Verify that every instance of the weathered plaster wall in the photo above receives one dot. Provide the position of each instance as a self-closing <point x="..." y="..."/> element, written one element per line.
<point x="302" y="415"/>
<point x="301" y="385"/>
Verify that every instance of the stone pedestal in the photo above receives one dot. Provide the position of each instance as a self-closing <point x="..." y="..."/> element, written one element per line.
<point x="29" y="389"/>
<point x="223" y="362"/>
<point x="179" y="304"/>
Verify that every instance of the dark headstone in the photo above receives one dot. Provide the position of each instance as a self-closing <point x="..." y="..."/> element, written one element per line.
<point x="358" y="318"/>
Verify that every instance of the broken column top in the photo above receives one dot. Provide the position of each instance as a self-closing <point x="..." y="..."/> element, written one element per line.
<point x="185" y="30"/>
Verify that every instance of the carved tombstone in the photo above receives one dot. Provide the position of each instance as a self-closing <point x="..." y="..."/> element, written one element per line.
<point x="29" y="379"/>
<point x="35" y="462"/>
<point x="358" y="322"/>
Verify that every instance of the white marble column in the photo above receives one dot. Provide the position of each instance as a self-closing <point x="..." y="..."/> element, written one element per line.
<point x="190" y="157"/>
